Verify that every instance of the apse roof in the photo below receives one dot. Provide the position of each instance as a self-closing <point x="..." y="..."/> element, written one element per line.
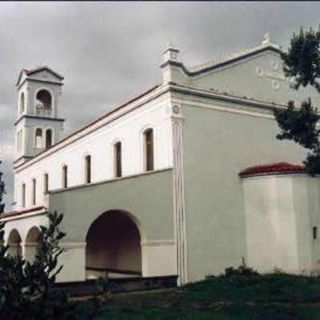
<point x="272" y="168"/>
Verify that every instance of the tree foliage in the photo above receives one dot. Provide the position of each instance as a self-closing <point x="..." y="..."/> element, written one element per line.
<point x="27" y="290"/>
<point x="302" y="65"/>
<point x="302" y="61"/>
<point x="2" y="192"/>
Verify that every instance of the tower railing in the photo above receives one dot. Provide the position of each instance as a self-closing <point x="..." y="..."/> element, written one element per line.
<point x="43" y="112"/>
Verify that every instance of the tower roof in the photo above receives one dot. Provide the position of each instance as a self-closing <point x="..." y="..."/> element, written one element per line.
<point x="36" y="70"/>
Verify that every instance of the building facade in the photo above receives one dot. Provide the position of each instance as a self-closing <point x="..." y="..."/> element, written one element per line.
<point x="152" y="187"/>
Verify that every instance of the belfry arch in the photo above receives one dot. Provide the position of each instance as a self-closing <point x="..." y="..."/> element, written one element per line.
<point x="14" y="243"/>
<point x="32" y="243"/>
<point x="113" y="246"/>
<point x="44" y="99"/>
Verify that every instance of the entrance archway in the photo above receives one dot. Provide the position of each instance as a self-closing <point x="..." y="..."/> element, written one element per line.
<point x="113" y="246"/>
<point x="14" y="243"/>
<point x="32" y="243"/>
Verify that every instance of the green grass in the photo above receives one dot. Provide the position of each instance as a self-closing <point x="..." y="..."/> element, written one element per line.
<point x="275" y="296"/>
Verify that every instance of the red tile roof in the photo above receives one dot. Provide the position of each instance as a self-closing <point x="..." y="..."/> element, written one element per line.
<point x="17" y="213"/>
<point x="279" y="167"/>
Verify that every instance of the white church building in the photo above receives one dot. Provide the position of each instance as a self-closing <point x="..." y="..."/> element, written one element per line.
<point x="185" y="179"/>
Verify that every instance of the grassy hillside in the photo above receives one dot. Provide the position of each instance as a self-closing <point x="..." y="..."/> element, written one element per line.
<point x="274" y="296"/>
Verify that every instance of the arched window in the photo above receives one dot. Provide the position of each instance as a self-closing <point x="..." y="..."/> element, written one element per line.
<point x="65" y="176"/>
<point x="18" y="141"/>
<point x="87" y="169"/>
<point x="48" y="138"/>
<point x="117" y="159"/>
<point x="46" y="184"/>
<point x="22" y="103"/>
<point x="148" y="150"/>
<point x="23" y="195"/>
<point x="34" y="190"/>
<point x="44" y="100"/>
<point x="38" y="138"/>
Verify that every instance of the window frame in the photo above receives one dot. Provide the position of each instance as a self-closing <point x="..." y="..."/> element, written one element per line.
<point x="315" y="233"/>
<point x="23" y="195"/>
<point x="46" y="183"/>
<point x="87" y="169"/>
<point x="22" y="102"/>
<point x="117" y="159"/>
<point x="148" y="150"/>
<point x="40" y="146"/>
<point x="50" y="93"/>
<point x="46" y="138"/>
<point x="64" y="176"/>
<point x="34" y="192"/>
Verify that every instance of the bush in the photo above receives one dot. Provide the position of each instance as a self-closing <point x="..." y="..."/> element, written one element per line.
<point x="242" y="270"/>
<point x="27" y="290"/>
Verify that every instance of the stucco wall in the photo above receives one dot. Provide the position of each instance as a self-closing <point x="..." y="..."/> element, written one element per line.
<point x="217" y="146"/>
<point x="271" y="232"/>
<point x="258" y="76"/>
<point x="29" y="126"/>
<point x="306" y="202"/>
<point x="147" y="197"/>
<point x="281" y="211"/>
<point x="148" y="200"/>
<point x="99" y="143"/>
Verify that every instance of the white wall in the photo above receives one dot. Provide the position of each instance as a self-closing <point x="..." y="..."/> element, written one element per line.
<point x="280" y="212"/>
<point x="99" y="144"/>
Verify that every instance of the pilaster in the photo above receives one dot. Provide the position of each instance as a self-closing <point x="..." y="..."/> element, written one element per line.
<point x="178" y="194"/>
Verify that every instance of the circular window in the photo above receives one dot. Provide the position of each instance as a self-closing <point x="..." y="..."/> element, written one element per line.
<point x="176" y="109"/>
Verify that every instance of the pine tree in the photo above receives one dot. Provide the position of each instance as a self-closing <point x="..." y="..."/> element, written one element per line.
<point x="302" y="65"/>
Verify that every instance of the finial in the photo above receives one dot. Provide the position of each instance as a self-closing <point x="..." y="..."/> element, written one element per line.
<point x="170" y="53"/>
<point x="169" y="45"/>
<point x="266" y="38"/>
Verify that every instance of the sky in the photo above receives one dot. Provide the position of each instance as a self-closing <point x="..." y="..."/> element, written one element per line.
<point x="109" y="52"/>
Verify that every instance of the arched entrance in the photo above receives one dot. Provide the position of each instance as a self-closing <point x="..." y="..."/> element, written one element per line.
<point x="14" y="243"/>
<point x="32" y="243"/>
<point x="113" y="246"/>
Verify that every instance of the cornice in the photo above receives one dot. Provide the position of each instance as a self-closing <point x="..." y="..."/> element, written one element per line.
<point x="96" y="124"/>
<point x="38" y="80"/>
<point x="222" y="97"/>
<point x="39" y="118"/>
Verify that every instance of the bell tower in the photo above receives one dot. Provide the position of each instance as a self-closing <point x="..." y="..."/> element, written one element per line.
<point x="38" y="125"/>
